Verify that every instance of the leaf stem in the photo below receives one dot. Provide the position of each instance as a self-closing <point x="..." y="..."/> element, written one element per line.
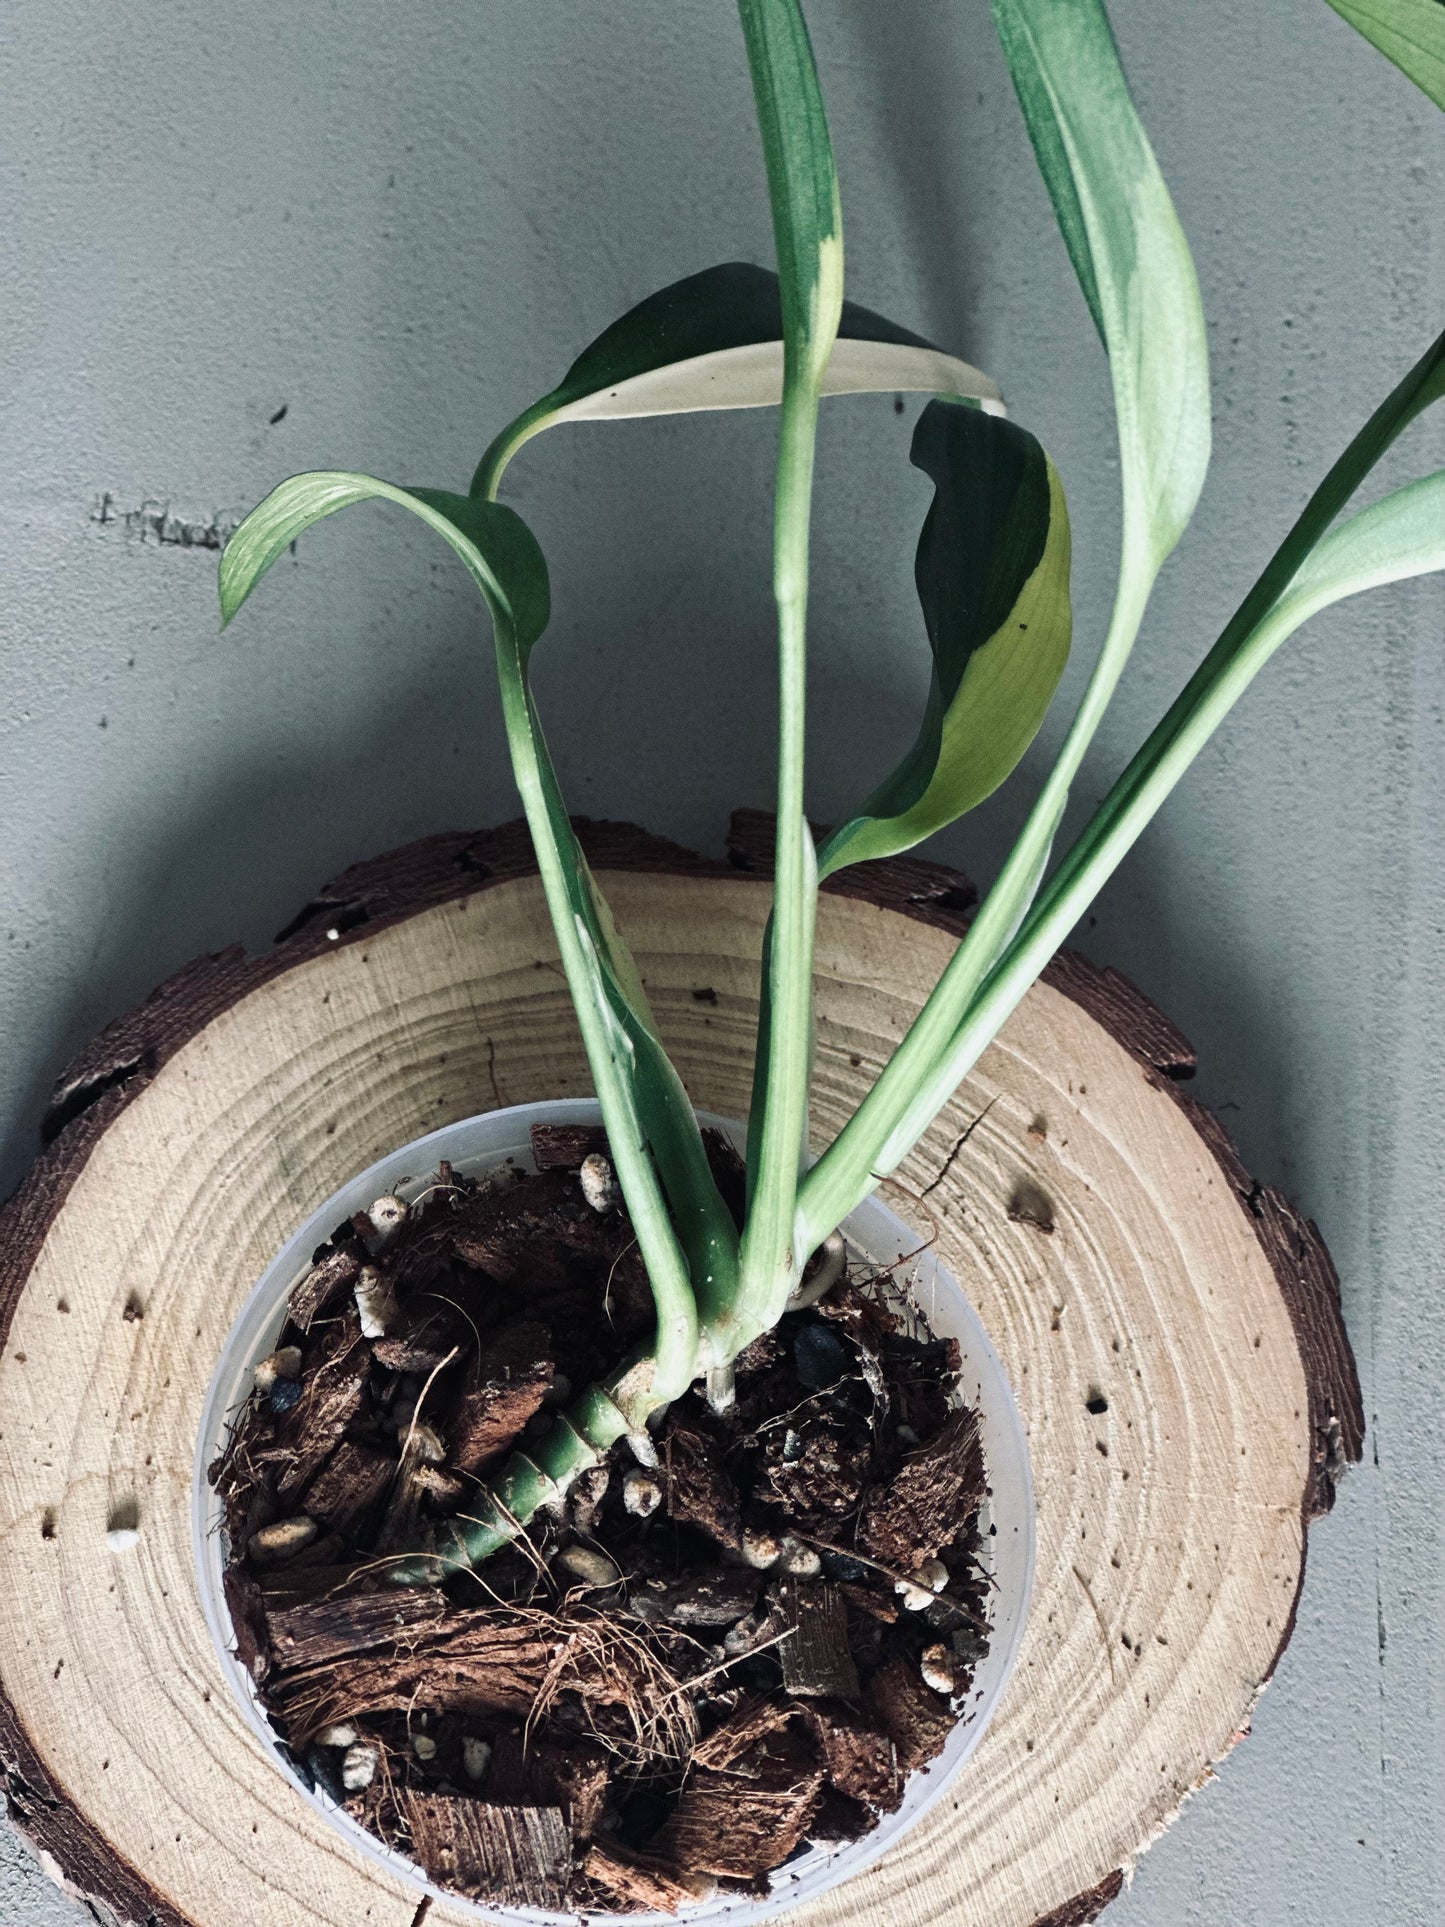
<point x="771" y="1259"/>
<point x="604" y="1034"/>
<point x="503" y="446"/>
<point x="808" y="239"/>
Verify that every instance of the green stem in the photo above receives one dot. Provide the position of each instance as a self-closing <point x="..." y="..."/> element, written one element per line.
<point x="667" y="1126"/>
<point x="495" y="1517"/>
<point x="500" y="450"/>
<point x="700" y="1217"/>
<point x="808" y="240"/>
<point x="1111" y="833"/>
<point x="603" y="1033"/>
<point x="771" y="1260"/>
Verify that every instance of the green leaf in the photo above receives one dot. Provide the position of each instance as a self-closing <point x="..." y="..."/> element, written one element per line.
<point x="715" y="340"/>
<point x="645" y="1107"/>
<point x="993" y="578"/>
<point x="1392" y="540"/>
<point x="1409" y="32"/>
<point x="499" y="550"/>
<point x="1129" y="253"/>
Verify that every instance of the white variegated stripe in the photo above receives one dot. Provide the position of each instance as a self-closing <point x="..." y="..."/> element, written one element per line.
<point x="752" y="377"/>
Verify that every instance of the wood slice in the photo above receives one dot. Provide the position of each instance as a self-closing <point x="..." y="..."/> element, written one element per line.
<point x="1172" y="1331"/>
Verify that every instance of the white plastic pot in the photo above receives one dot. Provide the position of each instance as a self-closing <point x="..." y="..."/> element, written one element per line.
<point x="478" y="1145"/>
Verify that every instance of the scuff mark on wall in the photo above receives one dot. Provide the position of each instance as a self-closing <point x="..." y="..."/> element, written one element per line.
<point x="153" y="521"/>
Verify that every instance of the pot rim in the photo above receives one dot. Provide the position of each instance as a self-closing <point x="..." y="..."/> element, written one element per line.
<point x="872" y="1230"/>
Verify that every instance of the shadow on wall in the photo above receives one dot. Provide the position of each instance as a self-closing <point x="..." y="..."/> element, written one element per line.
<point x="930" y="69"/>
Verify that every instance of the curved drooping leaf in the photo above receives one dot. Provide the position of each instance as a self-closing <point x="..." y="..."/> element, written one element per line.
<point x="1128" y="251"/>
<point x="646" y="1110"/>
<point x="497" y="548"/>
<point x="993" y="577"/>
<point x="715" y="340"/>
<point x="1134" y="267"/>
<point x="1409" y="32"/>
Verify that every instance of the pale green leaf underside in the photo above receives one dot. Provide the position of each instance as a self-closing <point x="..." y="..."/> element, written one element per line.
<point x="752" y="377"/>
<point x="1409" y="32"/>
<point x="1129" y="253"/>
<point x="1399" y="537"/>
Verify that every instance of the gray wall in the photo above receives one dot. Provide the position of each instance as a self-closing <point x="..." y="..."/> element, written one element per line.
<point x="398" y="223"/>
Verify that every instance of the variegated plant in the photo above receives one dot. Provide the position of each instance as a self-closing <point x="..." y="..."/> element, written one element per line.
<point x="993" y="578"/>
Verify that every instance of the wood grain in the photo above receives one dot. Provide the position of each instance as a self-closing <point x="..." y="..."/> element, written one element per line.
<point x="1196" y="1308"/>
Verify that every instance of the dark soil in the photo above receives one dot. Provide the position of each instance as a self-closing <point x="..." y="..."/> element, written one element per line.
<point x="628" y="1709"/>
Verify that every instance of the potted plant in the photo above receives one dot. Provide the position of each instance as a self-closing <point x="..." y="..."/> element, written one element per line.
<point x="742" y="1311"/>
<point x="992" y="573"/>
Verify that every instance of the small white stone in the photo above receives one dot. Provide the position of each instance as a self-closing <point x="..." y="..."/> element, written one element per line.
<point x="933" y="1574"/>
<point x="476" y="1757"/>
<point x="424" y="1746"/>
<point x="593" y="1568"/>
<point x="760" y="1549"/>
<point x="938" y="1669"/>
<point x="122" y="1538"/>
<point x="643" y="1450"/>
<point x="915" y="1599"/>
<point x="285" y="1538"/>
<point x="387" y="1216"/>
<point x="798" y="1559"/>
<point x="599" y="1187"/>
<point x="284" y="1363"/>
<point x="375" y="1303"/>
<point x="342" y="1734"/>
<point x="358" y="1767"/>
<point x="641" y="1492"/>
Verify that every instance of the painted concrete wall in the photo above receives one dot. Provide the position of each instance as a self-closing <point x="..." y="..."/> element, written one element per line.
<point x="238" y="242"/>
